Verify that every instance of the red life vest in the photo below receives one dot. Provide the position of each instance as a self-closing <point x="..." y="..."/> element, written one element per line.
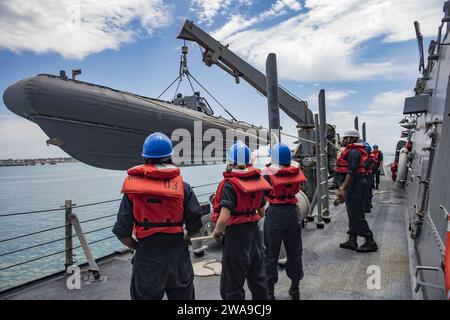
<point x="249" y="188"/>
<point x="342" y="163"/>
<point x="285" y="181"/>
<point x="157" y="195"/>
<point x="375" y="155"/>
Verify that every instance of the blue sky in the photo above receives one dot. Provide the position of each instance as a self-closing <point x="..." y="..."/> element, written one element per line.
<point x="363" y="53"/>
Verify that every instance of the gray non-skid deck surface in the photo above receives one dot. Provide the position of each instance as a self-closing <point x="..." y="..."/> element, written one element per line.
<point x="330" y="272"/>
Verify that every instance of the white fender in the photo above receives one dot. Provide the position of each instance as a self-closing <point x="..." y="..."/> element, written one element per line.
<point x="402" y="170"/>
<point x="303" y="205"/>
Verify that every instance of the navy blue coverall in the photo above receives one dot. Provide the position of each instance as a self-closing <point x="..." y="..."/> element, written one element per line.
<point x="376" y="171"/>
<point x="242" y="256"/>
<point x="356" y="198"/>
<point x="369" y="178"/>
<point x="370" y="164"/>
<point x="162" y="263"/>
<point x="282" y="224"/>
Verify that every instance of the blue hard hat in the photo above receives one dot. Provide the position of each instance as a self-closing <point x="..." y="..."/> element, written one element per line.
<point x="281" y="154"/>
<point x="368" y="147"/>
<point x="375" y="146"/>
<point x="239" y="153"/>
<point x="157" y="145"/>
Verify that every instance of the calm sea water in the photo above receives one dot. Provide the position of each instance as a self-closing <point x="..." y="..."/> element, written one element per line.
<point x="46" y="187"/>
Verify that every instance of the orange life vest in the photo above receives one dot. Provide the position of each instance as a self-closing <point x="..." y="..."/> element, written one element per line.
<point x="342" y="163"/>
<point x="285" y="181"/>
<point x="375" y="156"/>
<point x="249" y="188"/>
<point x="157" y="195"/>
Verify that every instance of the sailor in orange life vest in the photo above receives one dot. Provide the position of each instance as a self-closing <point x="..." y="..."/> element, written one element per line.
<point x="353" y="190"/>
<point x="238" y="205"/>
<point x="377" y="156"/>
<point x="155" y="206"/>
<point x="282" y="222"/>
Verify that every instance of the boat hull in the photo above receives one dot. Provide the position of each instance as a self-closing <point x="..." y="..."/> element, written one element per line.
<point x="105" y="128"/>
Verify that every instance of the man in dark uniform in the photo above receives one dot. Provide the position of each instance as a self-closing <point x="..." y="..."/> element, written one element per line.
<point x="282" y="222"/>
<point x="155" y="206"/>
<point x="377" y="156"/>
<point x="354" y="191"/>
<point x="238" y="205"/>
<point x="369" y="176"/>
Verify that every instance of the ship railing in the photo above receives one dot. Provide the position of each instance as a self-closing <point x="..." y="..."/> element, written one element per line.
<point x="72" y="222"/>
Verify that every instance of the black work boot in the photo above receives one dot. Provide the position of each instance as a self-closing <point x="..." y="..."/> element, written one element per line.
<point x="350" y="244"/>
<point x="294" y="292"/>
<point x="369" y="245"/>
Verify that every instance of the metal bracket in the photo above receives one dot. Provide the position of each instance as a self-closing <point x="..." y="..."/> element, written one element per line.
<point x="447" y="214"/>
<point x="420" y="283"/>
<point x="85" y="245"/>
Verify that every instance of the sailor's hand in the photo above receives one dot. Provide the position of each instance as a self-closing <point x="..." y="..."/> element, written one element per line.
<point x="187" y="239"/>
<point x="217" y="235"/>
<point x="342" y="194"/>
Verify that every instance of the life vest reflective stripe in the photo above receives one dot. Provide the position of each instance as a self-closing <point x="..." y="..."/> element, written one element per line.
<point x="447" y="260"/>
<point x="286" y="183"/>
<point x="376" y="157"/>
<point x="249" y="188"/>
<point x="157" y="195"/>
<point x="342" y="163"/>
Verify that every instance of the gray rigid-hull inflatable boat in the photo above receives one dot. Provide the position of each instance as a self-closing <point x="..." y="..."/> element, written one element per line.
<point x="104" y="127"/>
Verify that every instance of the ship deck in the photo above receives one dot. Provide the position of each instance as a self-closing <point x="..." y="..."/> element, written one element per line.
<point x="330" y="272"/>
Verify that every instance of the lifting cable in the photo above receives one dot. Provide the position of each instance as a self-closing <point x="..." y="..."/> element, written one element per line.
<point x="184" y="71"/>
<point x="217" y="101"/>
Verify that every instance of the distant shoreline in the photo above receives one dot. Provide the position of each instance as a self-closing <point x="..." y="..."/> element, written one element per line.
<point x="34" y="162"/>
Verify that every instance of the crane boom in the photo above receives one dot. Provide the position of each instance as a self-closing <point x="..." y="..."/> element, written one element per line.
<point x="219" y="54"/>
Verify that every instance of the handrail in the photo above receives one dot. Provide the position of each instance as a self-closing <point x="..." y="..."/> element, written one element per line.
<point x="68" y="208"/>
<point x="87" y="204"/>
<point x="31" y="234"/>
<point x="52" y="241"/>
<point x="29" y="212"/>
<point x="52" y="254"/>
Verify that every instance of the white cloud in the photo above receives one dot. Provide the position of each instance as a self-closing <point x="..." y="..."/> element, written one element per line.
<point x="333" y="97"/>
<point x="77" y="28"/>
<point x="238" y="22"/>
<point x="281" y="7"/>
<point x="324" y="42"/>
<point x="208" y="9"/>
<point x="381" y="118"/>
<point x="21" y="138"/>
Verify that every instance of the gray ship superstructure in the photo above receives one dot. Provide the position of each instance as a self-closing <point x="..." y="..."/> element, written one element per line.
<point x="423" y="158"/>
